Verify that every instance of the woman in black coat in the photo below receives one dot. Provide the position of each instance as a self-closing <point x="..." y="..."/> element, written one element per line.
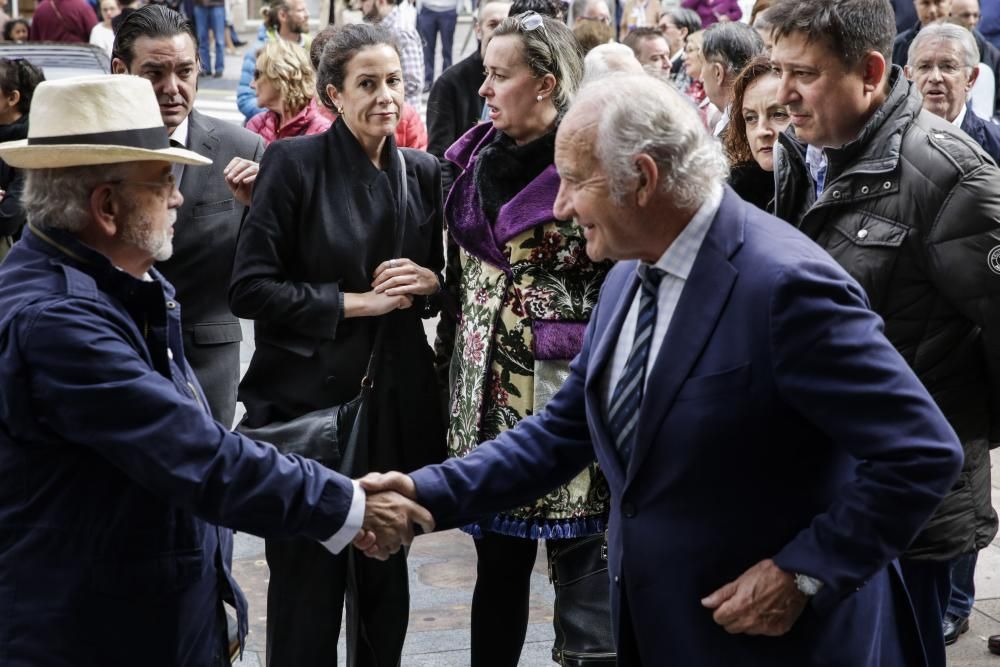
<point x="315" y="269"/>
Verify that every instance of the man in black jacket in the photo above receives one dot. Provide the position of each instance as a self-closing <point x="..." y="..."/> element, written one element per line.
<point x="943" y="64"/>
<point x="454" y="104"/>
<point x="159" y="44"/>
<point x="908" y="204"/>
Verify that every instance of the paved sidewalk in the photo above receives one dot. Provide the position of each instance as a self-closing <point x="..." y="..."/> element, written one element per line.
<point x="442" y="575"/>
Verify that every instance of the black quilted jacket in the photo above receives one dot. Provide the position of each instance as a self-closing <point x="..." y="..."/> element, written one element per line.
<point x="911" y="209"/>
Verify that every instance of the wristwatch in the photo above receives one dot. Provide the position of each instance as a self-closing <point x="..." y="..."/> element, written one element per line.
<point x="808" y="585"/>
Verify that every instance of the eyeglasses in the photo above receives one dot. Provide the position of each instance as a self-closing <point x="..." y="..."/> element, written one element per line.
<point x="531" y="21"/>
<point x="599" y="19"/>
<point x="166" y="187"/>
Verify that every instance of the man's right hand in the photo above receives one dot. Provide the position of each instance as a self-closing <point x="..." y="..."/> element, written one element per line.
<point x="390" y="516"/>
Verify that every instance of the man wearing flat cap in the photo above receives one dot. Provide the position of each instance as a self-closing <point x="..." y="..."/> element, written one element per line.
<point x="114" y="478"/>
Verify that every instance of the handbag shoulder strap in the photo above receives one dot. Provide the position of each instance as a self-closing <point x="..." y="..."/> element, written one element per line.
<point x="368" y="379"/>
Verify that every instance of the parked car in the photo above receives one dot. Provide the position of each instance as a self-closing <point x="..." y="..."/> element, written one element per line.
<point x="58" y="60"/>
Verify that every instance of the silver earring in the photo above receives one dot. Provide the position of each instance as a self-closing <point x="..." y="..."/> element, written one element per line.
<point x="540" y="98"/>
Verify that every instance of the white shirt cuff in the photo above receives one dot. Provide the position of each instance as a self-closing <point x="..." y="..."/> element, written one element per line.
<point x="353" y="523"/>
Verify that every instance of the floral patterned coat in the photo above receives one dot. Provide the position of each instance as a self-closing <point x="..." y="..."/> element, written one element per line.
<point x="527" y="291"/>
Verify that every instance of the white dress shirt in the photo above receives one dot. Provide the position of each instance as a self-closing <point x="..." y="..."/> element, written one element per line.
<point x="960" y="118"/>
<point x="355" y="518"/>
<point x="676" y="263"/>
<point x="180" y="135"/>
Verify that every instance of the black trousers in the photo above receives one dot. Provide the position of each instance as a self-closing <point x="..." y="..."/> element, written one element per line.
<point x="500" y="599"/>
<point x="305" y="599"/>
<point x="929" y="585"/>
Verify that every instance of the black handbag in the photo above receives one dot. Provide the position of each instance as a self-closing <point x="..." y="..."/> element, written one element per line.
<point x="578" y="569"/>
<point x="337" y="436"/>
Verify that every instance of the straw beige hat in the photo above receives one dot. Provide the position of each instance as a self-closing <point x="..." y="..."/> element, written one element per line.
<point x="94" y="120"/>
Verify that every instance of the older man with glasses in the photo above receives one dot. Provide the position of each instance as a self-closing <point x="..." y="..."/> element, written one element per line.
<point x="115" y="481"/>
<point x="943" y="62"/>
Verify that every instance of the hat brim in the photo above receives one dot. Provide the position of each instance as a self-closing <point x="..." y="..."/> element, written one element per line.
<point x="51" y="156"/>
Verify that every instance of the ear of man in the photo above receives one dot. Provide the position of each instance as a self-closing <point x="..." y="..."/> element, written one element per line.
<point x="647" y="178"/>
<point x="972" y="78"/>
<point x="873" y="71"/>
<point x="104" y="211"/>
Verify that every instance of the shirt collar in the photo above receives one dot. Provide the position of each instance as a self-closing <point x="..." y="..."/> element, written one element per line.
<point x="680" y="255"/>
<point x="960" y="118"/>
<point x="180" y="134"/>
<point x="723" y="120"/>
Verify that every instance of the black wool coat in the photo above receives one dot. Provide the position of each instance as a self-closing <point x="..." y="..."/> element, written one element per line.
<point x="322" y="219"/>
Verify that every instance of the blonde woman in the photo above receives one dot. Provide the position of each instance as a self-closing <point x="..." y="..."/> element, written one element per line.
<point x="285" y="83"/>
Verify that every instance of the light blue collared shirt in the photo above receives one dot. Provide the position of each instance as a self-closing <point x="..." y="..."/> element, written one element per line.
<point x="676" y="262"/>
<point x="816" y="162"/>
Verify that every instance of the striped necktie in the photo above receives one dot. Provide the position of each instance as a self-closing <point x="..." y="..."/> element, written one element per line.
<point x="623" y="415"/>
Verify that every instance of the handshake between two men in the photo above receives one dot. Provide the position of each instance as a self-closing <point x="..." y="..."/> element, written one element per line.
<point x="392" y="517"/>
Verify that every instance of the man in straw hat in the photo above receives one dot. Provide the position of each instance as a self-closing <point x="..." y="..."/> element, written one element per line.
<point x="157" y="43"/>
<point x="112" y="470"/>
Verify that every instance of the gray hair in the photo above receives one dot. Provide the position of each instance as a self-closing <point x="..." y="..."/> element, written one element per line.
<point x="60" y="198"/>
<point x="641" y="115"/>
<point x="579" y="7"/>
<point x="609" y="59"/>
<point x="552" y="48"/>
<point x="952" y="33"/>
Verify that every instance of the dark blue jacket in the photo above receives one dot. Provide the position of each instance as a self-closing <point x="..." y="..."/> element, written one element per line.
<point x="773" y="381"/>
<point x="114" y="479"/>
<point x="905" y="12"/>
<point x="989" y="24"/>
<point x="984" y="133"/>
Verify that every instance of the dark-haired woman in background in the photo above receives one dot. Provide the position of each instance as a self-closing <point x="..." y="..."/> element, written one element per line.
<point x="315" y="269"/>
<point x="757" y="120"/>
<point x="18" y="80"/>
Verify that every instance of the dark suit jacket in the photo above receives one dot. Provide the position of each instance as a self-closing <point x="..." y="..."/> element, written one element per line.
<point x="773" y="382"/>
<point x="453" y="107"/>
<point x="984" y="133"/>
<point x="906" y="14"/>
<point x="204" y="242"/>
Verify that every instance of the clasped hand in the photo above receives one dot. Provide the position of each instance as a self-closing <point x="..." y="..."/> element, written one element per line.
<point x="397" y="277"/>
<point x="390" y="514"/>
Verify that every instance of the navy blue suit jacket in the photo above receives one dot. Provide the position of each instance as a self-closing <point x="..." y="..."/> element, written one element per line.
<point x="778" y="422"/>
<point x="984" y="133"/>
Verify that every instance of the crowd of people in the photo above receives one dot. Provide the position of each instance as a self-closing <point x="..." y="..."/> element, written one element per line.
<point x="717" y="301"/>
